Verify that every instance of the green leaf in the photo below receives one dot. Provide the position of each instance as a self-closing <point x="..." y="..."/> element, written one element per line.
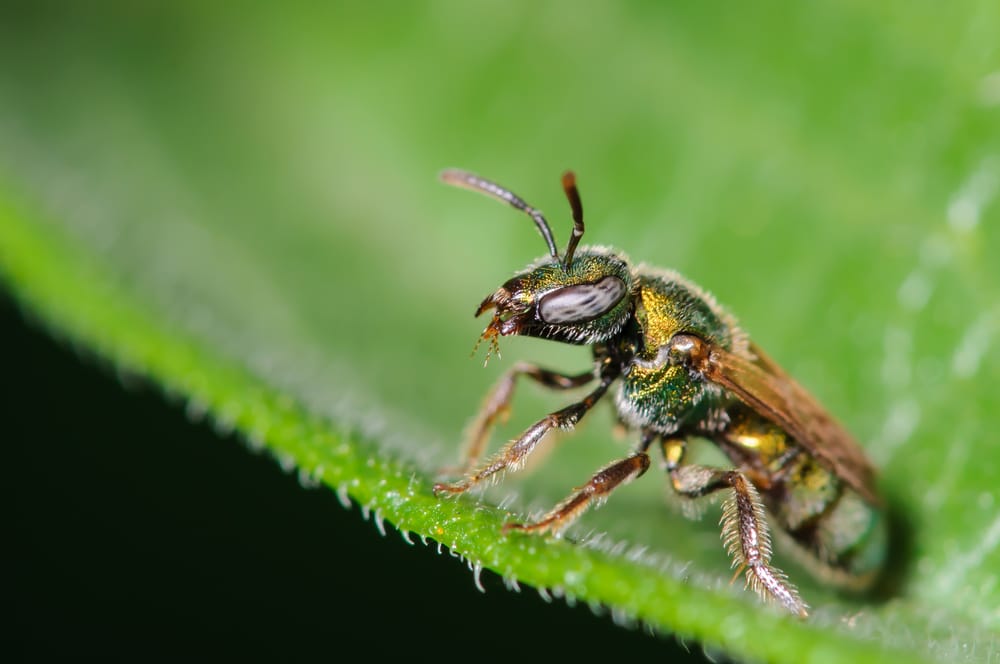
<point x="243" y="207"/>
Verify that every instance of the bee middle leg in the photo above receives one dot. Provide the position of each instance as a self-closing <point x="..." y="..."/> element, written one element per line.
<point x="513" y="455"/>
<point x="601" y="485"/>
<point x="744" y="526"/>
<point x="497" y="406"/>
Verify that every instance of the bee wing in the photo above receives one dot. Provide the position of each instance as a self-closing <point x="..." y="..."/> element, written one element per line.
<point x="765" y="387"/>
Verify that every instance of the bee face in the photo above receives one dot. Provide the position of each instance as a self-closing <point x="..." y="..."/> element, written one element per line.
<point x="587" y="303"/>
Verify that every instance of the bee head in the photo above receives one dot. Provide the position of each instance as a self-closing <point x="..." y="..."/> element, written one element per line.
<point x="580" y="298"/>
<point x="586" y="303"/>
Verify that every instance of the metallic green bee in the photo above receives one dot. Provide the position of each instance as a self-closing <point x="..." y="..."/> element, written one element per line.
<point x="685" y="370"/>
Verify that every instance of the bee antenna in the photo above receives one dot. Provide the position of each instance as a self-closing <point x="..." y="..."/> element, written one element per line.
<point x="573" y="195"/>
<point x="473" y="182"/>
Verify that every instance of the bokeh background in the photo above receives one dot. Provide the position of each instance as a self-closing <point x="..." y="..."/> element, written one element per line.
<point x="263" y="180"/>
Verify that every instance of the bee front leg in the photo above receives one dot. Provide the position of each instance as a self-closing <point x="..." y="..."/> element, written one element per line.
<point x="513" y="455"/>
<point x="744" y="530"/>
<point x="497" y="406"/>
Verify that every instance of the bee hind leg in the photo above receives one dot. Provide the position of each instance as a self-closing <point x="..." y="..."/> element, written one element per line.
<point x="744" y="530"/>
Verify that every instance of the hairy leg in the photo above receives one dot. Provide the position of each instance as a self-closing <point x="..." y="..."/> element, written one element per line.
<point x="744" y="528"/>
<point x="597" y="489"/>
<point x="496" y="407"/>
<point x="513" y="455"/>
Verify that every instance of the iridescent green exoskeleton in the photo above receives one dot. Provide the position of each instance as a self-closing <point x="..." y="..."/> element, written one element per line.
<point x="684" y="369"/>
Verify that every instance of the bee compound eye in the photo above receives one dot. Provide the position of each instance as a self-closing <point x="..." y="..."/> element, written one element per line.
<point x="582" y="302"/>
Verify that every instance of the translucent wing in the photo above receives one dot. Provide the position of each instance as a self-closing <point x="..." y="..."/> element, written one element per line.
<point x="766" y="388"/>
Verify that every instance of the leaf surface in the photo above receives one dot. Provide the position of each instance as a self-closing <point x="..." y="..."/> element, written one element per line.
<point x="246" y="210"/>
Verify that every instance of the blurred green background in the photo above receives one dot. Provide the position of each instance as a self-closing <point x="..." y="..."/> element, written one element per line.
<point x="262" y="181"/>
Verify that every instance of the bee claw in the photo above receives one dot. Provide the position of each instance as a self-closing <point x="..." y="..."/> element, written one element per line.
<point x="449" y="488"/>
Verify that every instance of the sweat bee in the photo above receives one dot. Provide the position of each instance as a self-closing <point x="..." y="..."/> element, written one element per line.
<point x="684" y="370"/>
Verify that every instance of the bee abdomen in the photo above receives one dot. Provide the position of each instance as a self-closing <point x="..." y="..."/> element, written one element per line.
<point x="852" y="538"/>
